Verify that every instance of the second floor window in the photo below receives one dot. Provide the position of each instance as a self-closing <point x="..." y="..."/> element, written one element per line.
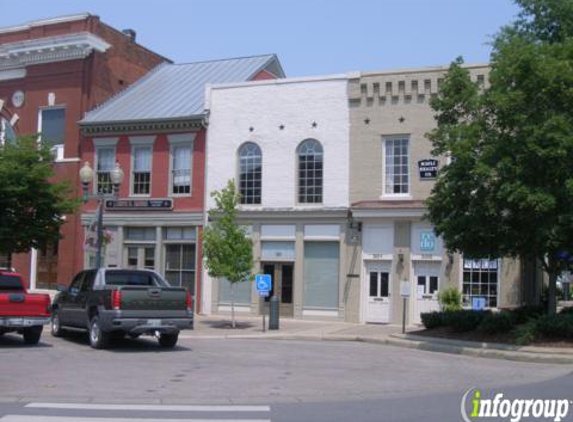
<point x="396" y="172"/>
<point x="141" y="180"/>
<point x="105" y="164"/>
<point x="181" y="169"/>
<point x="250" y="173"/>
<point x="52" y="128"/>
<point x="310" y="172"/>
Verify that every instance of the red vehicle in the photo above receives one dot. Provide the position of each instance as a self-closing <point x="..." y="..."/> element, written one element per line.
<point x="20" y="311"/>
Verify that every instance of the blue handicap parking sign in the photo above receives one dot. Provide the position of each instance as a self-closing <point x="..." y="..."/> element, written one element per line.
<point x="478" y="303"/>
<point x="263" y="283"/>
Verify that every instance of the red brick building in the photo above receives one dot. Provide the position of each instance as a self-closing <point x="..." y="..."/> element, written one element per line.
<point x="52" y="72"/>
<point x="156" y="130"/>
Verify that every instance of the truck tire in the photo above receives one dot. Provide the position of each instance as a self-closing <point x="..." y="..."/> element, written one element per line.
<point x="99" y="339"/>
<point x="55" y="326"/>
<point x="32" y="335"/>
<point x="168" y="341"/>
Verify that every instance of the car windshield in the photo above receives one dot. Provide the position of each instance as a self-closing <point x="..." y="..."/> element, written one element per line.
<point x="10" y="283"/>
<point x="132" y="278"/>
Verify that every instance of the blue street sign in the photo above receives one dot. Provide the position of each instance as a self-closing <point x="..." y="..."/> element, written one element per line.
<point x="263" y="283"/>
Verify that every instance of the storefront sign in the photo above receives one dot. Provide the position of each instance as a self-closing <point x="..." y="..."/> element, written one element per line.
<point x="139" y="204"/>
<point x="428" y="169"/>
<point x="427" y="241"/>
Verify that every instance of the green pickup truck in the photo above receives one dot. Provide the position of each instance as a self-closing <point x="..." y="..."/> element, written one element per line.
<point x="117" y="302"/>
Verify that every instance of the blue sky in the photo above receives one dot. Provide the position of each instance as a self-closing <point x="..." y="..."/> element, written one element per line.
<point x="310" y="36"/>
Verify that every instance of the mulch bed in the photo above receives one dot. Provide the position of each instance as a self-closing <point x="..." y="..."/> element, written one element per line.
<point x="477" y="336"/>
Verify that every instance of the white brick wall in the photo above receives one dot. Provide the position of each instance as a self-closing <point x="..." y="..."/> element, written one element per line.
<point x="265" y="106"/>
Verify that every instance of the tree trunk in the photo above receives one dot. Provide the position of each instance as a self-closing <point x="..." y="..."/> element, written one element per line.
<point x="552" y="294"/>
<point x="233" y="305"/>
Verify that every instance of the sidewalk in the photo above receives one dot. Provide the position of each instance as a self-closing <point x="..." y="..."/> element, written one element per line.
<point x="290" y="329"/>
<point x="248" y="327"/>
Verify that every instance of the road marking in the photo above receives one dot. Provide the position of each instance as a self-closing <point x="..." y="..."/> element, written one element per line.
<point x="150" y="407"/>
<point x="29" y="418"/>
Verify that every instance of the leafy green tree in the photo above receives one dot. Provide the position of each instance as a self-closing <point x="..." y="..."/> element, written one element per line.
<point x="227" y="249"/>
<point x="31" y="203"/>
<point x="508" y="190"/>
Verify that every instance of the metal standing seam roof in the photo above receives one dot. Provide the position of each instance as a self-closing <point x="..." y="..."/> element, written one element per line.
<point x="175" y="91"/>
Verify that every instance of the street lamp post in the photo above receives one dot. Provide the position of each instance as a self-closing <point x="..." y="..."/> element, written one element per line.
<point x="87" y="176"/>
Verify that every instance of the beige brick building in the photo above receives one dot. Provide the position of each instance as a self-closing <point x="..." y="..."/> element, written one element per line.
<point x="392" y="172"/>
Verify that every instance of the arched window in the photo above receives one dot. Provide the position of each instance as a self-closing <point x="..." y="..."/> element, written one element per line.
<point x="250" y="173"/>
<point x="7" y="133"/>
<point x="310" y="172"/>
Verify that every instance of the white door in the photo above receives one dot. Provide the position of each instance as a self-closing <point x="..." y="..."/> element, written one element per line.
<point x="426" y="286"/>
<point x="378" y="292"/>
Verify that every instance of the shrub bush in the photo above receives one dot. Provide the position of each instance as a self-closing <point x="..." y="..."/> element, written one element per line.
<point x="499" y="322"/>
<point x="451" y="299"/>
<point x="555" y="326"/>
<point x="464" y="320"/>
<point x="432" y="319"/>
<point x="526" y="333"/>
<point x="523" y="314"/>
<point x="566" y="311"/>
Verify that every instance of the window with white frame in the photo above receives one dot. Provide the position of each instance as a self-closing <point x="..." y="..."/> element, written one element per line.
<point x="250" y="173"/>
<point x="310" y="172"/>
<point x="7" y="133"/>
<point x="180" y="256"/>
<point x="141" y="170"/>
<point x="396" y="172"/>
<point x="105" y="162"/>
<point x="181" y="169"/>
<point x="52" y="129"/>
<point x="480" y="280"/>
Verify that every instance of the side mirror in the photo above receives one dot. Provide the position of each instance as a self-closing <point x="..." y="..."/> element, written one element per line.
<point x="62" y="288"/>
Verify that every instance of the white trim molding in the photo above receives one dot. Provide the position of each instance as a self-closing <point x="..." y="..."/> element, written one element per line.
<point x="50" y="49"/>
<point x="181" y="138"/>
<point x="141" y="140"/>
<point x="7" y="75"/>
<point x="105" y="142"/>
<point x="43" y="22"/>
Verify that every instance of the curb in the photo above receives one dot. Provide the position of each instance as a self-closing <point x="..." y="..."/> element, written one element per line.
<point x="410" y="341"/>
<point x="485" y="350"/>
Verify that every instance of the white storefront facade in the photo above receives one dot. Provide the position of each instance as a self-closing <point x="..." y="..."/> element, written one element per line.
<point x="286" y="144"/>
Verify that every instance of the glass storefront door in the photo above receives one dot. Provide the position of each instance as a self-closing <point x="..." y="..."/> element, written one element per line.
<point x="283" y="280"/>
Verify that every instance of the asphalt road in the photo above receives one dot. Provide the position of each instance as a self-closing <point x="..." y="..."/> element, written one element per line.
<point x="65" y="380"/>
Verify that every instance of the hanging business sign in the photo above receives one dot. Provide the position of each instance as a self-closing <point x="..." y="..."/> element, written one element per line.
<point x="427" y="241"/>
<point x="428" y="169"/>
<point x="139" y="204"/>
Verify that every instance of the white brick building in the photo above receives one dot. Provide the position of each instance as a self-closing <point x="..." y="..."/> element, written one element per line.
<point x="286" y="144"/>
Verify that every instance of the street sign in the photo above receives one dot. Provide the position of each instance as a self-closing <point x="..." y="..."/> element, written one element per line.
<point x="405" y="290"/>
<point x="264" y="284"/>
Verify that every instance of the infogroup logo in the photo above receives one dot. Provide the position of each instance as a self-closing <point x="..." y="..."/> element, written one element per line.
<point x="513" y="410"/>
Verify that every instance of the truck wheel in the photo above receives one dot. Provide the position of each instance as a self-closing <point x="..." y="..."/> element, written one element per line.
<point x="55" y="327"/>
<point x="168" y="341"/>
<point x="32" y="334"/>
<point x="98" y="338"/>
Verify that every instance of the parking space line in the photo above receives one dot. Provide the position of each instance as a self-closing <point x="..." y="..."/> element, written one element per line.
<point x="150" y="407"/>
<point x="41" y="418"/>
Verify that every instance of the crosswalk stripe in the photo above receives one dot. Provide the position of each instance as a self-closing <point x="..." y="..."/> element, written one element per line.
<point x="151" y="407"/>
<point x="34" y="418"/>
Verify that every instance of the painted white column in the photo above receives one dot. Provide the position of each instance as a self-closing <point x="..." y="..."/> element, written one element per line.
<point x="33" y="268"/>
